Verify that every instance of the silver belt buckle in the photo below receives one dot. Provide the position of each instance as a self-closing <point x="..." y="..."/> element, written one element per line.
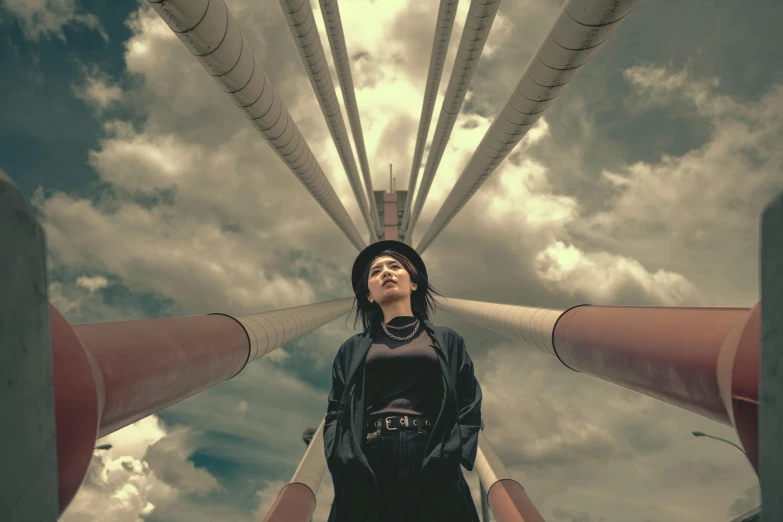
<point x="388" y="426"/>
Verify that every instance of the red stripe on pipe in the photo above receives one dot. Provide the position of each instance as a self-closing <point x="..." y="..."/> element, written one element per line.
<point x="509" y="503"/>
<point x="151" y="364"/>
<point x="745" y="386"/>
<point x="295" y="503"/>
<point x="78" y="399"/>
<point x="667" y="353"/>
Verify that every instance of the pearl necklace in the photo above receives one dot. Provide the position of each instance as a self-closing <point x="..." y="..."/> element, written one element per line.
<point x="416" y="329"/>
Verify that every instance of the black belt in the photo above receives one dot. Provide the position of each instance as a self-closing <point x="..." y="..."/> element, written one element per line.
<point x="398" y="422"/>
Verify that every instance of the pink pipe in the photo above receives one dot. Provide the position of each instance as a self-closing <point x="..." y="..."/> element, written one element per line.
<point x="704" y="360"/>
<point x="109" y="375"/>
<point x="150" y="365"/>
<point x="294" y="503"/>
<point x="509" y="503"/>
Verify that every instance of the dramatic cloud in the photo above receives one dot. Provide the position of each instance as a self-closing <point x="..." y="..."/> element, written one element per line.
<point x="146" y="467"/>
<point x="47" y="18"/>
<point x="706" y="201"/>
<point x="192" y="212"/>
<point x="97" y="89"/>
<point x="603" y="277"/>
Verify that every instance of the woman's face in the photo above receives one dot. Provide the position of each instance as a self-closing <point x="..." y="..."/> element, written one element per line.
<point x="388" y="280"/>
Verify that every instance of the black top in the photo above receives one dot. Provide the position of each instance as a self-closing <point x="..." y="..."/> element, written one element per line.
<point x="402" y="377"/>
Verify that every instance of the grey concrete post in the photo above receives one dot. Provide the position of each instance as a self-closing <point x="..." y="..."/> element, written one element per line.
<point x="28" y="476"/>
<point x="771" y="367"/>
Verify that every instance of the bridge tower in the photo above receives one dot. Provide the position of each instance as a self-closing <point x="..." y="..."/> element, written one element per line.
<point x="391" y="206"/>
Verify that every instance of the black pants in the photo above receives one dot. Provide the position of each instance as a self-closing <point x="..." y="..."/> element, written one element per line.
<point x="404" y="496"/>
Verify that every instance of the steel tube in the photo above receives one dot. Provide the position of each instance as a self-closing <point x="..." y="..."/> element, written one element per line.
<point x="271" y="330"/>
<point x="478" y="24"/>
<point x="109" y="375"/>
<point x="446" y="14"/>
<point x="704" y="360"/>
<point x="212" y="35"/>
<point x="530" y="326"/>
<point x="506" y="497"/>
<point x="509" y="503"/>
<point x="301" y="21"/>
<point x="334" y="31"/>
<point x="79" y="396"/>
<point x="296" y="501"/>
<point x="151" y="364"/>
<point x="670" y="354"/>
<point x="579" y="30"/>
<point x="771" y="321"/>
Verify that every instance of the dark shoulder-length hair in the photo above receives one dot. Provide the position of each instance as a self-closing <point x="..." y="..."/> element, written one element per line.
<point x="422" y="302"/>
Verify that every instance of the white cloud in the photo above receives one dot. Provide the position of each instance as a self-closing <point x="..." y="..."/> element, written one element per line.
<point x="92" y="284"/>
<point x="705" y="202"/>
<point x="602" y="277"/>
<point x="146" y="467"/>
<point x="660" y="86"/>
<point x="180" y="249"/>
<point x="97" y="89"/>
<point x="47" y="18"/>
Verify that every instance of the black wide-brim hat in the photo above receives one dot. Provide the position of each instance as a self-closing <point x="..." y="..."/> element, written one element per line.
<point x="374" y="250"/>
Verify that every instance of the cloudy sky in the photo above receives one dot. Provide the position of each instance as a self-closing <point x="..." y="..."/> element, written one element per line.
<point x="641" y="185"/>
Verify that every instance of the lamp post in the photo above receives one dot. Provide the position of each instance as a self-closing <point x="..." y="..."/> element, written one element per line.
<point x="753" y="515"/>
<point x="702" y="434"/>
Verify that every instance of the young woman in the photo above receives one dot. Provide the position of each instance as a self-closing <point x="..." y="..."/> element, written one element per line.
<point x="405" y="408"/>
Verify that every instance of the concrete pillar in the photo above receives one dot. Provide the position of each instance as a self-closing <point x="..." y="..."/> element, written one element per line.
<point x="771" y="366"/>
<point x="390" y="219"/>
<point x="28" y="480"/>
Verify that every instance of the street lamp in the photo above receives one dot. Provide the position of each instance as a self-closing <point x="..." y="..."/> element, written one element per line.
<point x="702" y="434"/>
<point x="307" y="435"/>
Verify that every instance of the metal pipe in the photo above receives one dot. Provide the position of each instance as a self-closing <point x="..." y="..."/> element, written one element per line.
<point x="478" y="24"/>
<point x="296" y="502"/>
<point x="31" y="460"/>
<point x="770" y="423"/>
<point x="704" y="360"/>
<point x="212" y="35"/>
<point x="440" y="45"/>
<point x="506" y="497"/>
<point x="334" y="31"/>
<point x="109" y="375"/>
<point x="577" y="33"/>
<point x="530" y="326"/>
<point x="300" y="19"/>
<point x="269" y="331"/>
<point x="670" y="354"/>
<point x="151" y="364"/>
